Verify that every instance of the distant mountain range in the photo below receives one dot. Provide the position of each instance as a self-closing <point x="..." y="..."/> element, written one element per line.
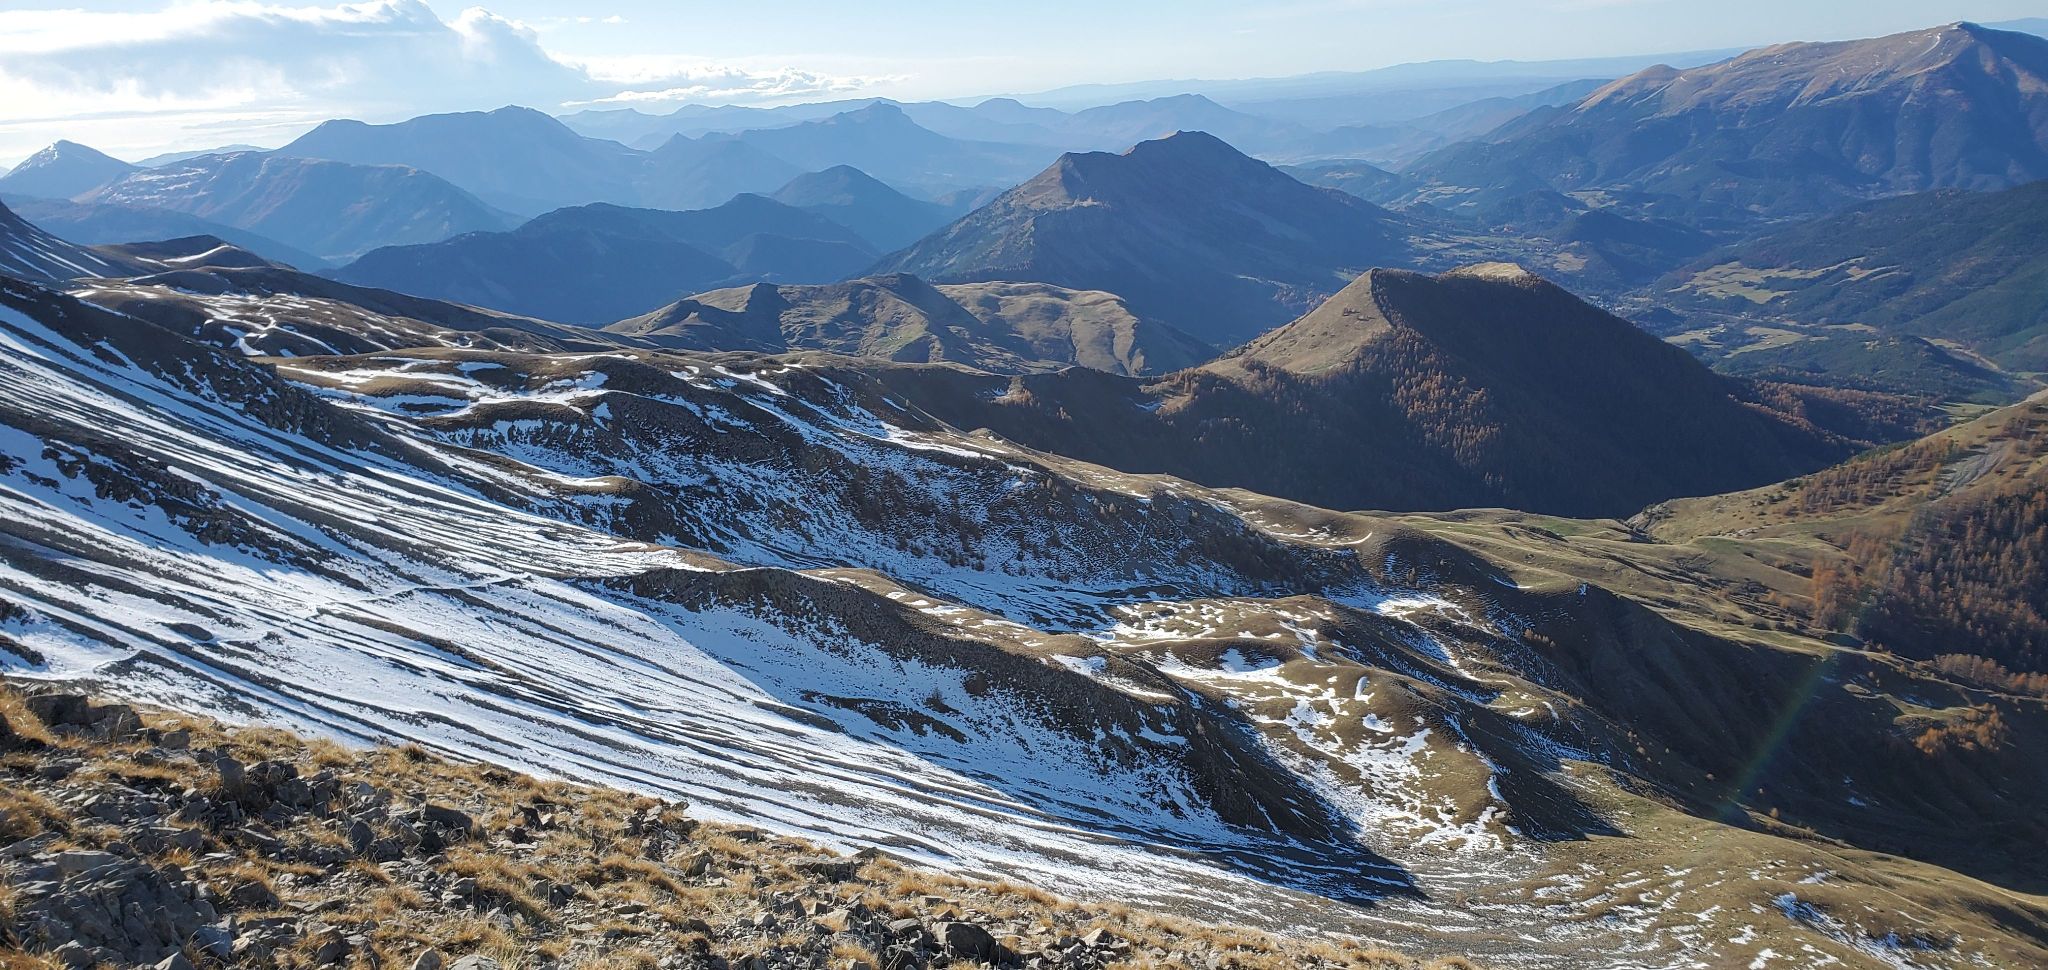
<point x="1186" y="228"/>
<point x="331" y="209"/>
<point x="526" y="162"/>
<point x="595" y="264"/>
<point x="1554" y="175"/>
<point x="686" y="174"/>
<point x="884" y="142"/>
<point x="1004" y="328"/>
<point x="517" y="159"/>
<point x="1399" y="105"/>
<point x="1106" y="127"/>
<point x="1794" y="129"/>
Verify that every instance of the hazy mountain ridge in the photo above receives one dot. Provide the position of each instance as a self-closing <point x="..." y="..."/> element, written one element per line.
<point x="598" y="263"/>
<point x="1793" y="129"/>
<point x="331" y="209"/>
<point x="887" y="219"/>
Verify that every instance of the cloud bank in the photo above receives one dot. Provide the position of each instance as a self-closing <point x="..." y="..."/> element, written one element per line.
<point x="200" y="71"/>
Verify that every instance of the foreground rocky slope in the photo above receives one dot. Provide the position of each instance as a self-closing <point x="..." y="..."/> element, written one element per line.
<point x="142" y="837"/>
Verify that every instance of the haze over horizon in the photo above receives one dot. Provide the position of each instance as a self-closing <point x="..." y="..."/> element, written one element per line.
<point x="136" y="77"/>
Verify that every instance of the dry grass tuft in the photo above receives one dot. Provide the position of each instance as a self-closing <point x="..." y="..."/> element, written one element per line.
<point x="606" y="884"/>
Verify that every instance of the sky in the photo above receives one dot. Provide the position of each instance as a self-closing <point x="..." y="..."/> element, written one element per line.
<point x="135" y="77"/>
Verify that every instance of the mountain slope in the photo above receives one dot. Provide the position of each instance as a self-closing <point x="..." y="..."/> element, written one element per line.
<point x="887" y="219"/>
<point x="331" y="209"/>
<point x="1969" y="270"/>
<point x="999" y="327"/>
<point x="209" y="291"/>
<point x="26" y="251"/>
<point x="1792" y="129"/>
<point x="686" y="174"/>
<point x="1481" y="387"/>
<point x="61" y="171"/>
<point x="774" y="588"/>
<point x="1933" y="550"/>
<point x="77" y="752"/>
<point x="573" y="274"/>
<point x="98" y="224"/>
<point x="517" y="159"/>
<point x="599" y="263"/>
<point x="1187" y="229"/>
<point x="718" y="228"/>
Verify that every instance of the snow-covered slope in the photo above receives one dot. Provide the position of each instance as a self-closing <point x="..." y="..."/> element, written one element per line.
<point x="193" y="530"/>
<point x="769" y="586"/>
<point x="29" y="252"/>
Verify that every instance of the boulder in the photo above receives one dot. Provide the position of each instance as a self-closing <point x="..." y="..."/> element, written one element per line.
<point x="233" y="777"/>
<point x="253" y="895"/>
<point x="77" y="713"/>
<point x="114" y="910"/>
<point x="447" y="818"/>
<point x="966" y="941"/>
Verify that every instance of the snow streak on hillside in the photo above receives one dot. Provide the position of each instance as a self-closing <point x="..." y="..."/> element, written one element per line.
<point x="778" y="592"/>
<point x="169" y="542"/>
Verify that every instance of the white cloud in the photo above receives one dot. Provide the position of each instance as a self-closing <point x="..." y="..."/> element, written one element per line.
<point x="644" y="79"/>
<point x="196" y="71"/>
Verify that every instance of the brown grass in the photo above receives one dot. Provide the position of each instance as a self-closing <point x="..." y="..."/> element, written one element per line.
<point x="591" y="848"/>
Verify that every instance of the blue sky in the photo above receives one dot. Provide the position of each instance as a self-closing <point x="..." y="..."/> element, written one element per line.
<point x="969" y="47"/>
<point x="137" y="76"/>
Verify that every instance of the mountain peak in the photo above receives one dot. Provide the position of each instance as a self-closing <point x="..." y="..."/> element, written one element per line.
<point x="1473" y="309"/>
<point x="1186" y="143"/>
<point x="62" y="170"/>
<point x="880" y="111"/>
<point x="838" y="182"/>
<point x="1187" y="229"/>
<point x="64" y="146"/>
